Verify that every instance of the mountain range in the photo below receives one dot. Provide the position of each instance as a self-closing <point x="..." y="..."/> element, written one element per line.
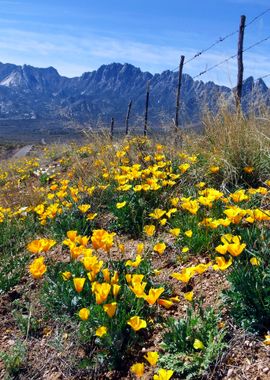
<point x="40" y="94"/>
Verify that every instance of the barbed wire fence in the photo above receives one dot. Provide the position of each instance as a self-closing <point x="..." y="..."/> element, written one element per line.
<point x="239" y="55"/>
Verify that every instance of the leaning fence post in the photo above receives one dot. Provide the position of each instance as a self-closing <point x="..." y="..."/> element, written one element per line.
<point x="112" y="128"/>
<point x="180" y="72"/>
<point x="240" y="62"/>
<point x="146" y="108"/>
<point x="127" y="117"/>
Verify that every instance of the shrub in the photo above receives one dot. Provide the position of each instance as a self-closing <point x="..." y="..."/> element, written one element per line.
<point x="249" y="295"/>
<point x="193" y="343"/>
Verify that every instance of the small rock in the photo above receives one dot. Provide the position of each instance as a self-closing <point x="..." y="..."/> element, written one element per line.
<point x="230" y="372"/>
<point x="265" y="370"/>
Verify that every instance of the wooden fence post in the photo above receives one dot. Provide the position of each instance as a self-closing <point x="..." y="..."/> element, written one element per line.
<point x="127" y="117"/>
<point x="112" y="127"/>
<point x="146" y="108"/>
<point x="180" y="72"/>
<point x="240" y="62"/>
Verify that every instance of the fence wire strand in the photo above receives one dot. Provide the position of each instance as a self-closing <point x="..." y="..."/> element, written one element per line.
<point x="231" y="57"/>
<point x="221" y="39"/>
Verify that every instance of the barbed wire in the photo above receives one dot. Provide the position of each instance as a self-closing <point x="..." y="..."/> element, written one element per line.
<point x="221" y="39"/>
<point x="264" y="76"/>
<point x="257" y="17"/>
<point x="231" y="57"/>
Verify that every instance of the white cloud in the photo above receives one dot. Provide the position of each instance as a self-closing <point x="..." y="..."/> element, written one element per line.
<point x="73" y="55"/>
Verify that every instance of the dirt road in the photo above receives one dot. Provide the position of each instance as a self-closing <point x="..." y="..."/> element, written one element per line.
<point x="23" y="151"/>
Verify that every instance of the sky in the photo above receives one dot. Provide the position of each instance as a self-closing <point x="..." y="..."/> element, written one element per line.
<point x="76" y="36"/>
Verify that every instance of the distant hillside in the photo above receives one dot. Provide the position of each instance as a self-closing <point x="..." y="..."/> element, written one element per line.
<point x="43" y="95"/>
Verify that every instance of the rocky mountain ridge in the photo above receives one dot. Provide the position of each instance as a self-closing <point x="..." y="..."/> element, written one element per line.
<point x="93" y="98"/>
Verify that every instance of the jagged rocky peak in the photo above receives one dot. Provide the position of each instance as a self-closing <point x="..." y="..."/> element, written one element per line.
<point x="261" y="86"/>
<point x="28" y="77"/>
<point x="103" y="92"/>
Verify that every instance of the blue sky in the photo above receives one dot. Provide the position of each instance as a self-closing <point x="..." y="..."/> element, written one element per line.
<point x="79" y="36"/>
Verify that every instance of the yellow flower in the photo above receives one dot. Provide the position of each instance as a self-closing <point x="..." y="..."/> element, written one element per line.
<point x="184" y="249"/>
<point x="147" y="158"/>
<point x="165" y="303"/>
<point x="222" y="264"/>
<point x="78" y="283"/>
<point x="175" y="231"/>
<point x="137" y="323"/>
<point x="201" y="268"/>
<point x="191" y="206"/>
<point x="140" y="248"/>
<point x="91" y="216"/>
<point x="189" y="233"/>
<point x="128" y="278"/>
<point x="124" y="187"/>
<point x="66" y="275"/>
<point x="138" y="288"/>
<point x="184" y="167"/>
<point x="171" y="211"/>
<point x="160" y="248"/>
<point x="254" y="261"/>
<point x="239" y="196"/>
<point x="120" y="153"/>
<point x="231" y="244"/>
<point x="102" y="239"/>
<point x="152" y="357"/>
<point x="149" y="229"/>
<point x="106" y="274"/>
<point x="222" y="249"/>
<point x="116" y="289"/>
<point x="40" y="245"/>
<point x="198" y="345"/>
<point x="163" y="374"/>
<point x="102" y="330"/>
<point x="267" y="340"/>
<point x="121" y="248"/>
<point x="248" y="169"/>
<point x="185" y="274"/>
<point x="101" y="292"/>
<point x="189" y="296"/>
<point x="137" y="369"/>
<point x="200" y="185"/>
<point x="39" y="209"/>
<point x="157" y="213"/>
<point x="84" y="313"/>
<point x="174" y="201"/>
<point x="72" y="235"/>
<point x="121" y="204"/>
<point x="214" y="169"/>
<point x="110" y="309"/>
<point x="84" y="208"/>
<point x="153" y="295"/>
<point x="115" y="278"/>
<point x="135" y="263"/>
<point x="163" y="221"/>
<point x="92" y="263"/>
<point x="236" y="249"/>
<point x="235" y="214"/>
<point x="137" y="188"/>
<point x="37" y="268"/>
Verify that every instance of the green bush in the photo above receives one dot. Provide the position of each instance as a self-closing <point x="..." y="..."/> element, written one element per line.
<point x="249" y="295"/>
<point x="13" y="237"/>
<point x="193" y="343"/>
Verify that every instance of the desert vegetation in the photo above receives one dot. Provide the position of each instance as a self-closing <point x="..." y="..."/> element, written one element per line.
<point x="139" y="257"/>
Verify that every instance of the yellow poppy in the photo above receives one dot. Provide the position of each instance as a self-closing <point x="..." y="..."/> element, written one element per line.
<point x="84" y="313"/>
<point x="102" y="330"/>
<point x="137" y="323"/>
